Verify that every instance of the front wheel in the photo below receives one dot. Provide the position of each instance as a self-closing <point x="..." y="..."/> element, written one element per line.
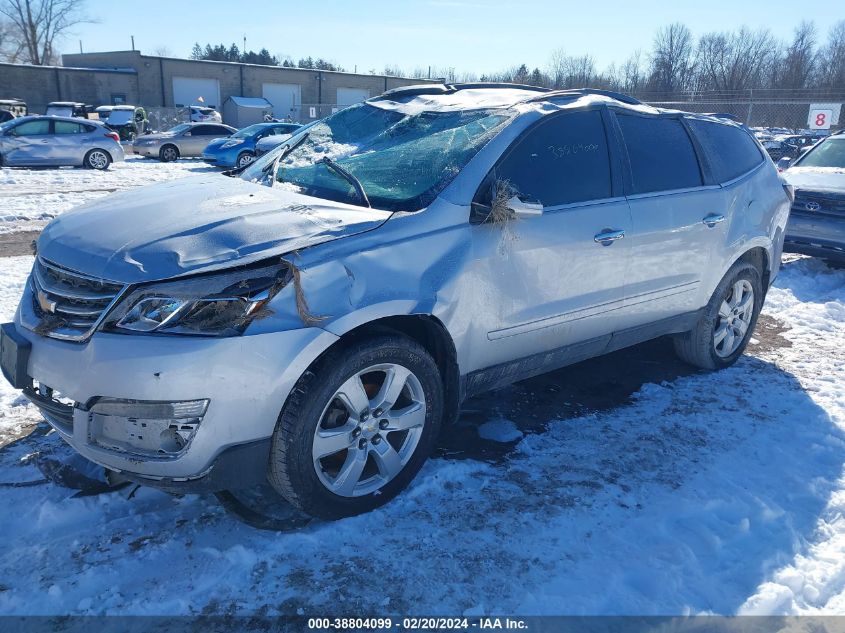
<point x="357" y="427"/>
<point x="723" y="330"/>
<point x="244" y="159"/>
<point x="168" y="154"/>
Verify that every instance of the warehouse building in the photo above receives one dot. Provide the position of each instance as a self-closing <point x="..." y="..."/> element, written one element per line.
<point x="163" y="82"/>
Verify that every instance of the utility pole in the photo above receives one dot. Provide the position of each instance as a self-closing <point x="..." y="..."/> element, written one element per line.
<point x="133" y="42"/>
<point x="80" y="47"/>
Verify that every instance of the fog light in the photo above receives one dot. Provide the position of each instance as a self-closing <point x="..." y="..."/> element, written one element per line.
<point x="145" y="428"/>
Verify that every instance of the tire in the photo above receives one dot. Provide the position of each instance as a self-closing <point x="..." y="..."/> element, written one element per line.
<point x="98" y="159"/>
<point x="168" y="153"/>
<point x="244" y="159"/>
<point x="316" y="403"/>
<point x="699" y="346"/>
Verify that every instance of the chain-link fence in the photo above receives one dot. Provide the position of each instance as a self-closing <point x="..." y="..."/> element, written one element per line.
<point x="756" y="108"/>
<point x="161" y="119"/>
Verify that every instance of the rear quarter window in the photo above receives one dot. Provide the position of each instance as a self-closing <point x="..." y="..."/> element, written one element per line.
<point x="730" y="150"/>
<point x="660" y="152"/>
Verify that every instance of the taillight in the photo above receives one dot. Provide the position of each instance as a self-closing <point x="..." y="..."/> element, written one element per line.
<point x="113" y="136"/>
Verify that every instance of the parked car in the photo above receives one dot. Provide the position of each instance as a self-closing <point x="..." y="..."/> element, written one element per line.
<point x="11" y="109"/>
<point x="128" y="121"/>
<point x="68" y="109"/>
<point x="316" y="321"/>
<point x="817" y="221"/>
<point x="269" y="143"/>
<point x="103" y="112"/>
<point x="203" y="114"/>
<point x="239" y="149"/>
<point x="789" y="145"/>
<point x="184" y="140"/>
<point x="48" y="141"/>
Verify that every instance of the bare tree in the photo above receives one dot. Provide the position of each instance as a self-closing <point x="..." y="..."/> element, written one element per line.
<point x="672" y="59"/>
<point x="831" y="66"/>
<point x="567" y="71"/>
<point x="798" y="63"/>
<point x="37" y="25"/>
<point x="10" y="48"/>
<point x="735" y="61"/>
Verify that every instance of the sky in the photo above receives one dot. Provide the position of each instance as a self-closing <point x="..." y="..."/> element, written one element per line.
<point x="468" y="35"/>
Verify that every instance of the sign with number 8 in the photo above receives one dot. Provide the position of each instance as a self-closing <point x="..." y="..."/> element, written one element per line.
<point x="820" y="119"/>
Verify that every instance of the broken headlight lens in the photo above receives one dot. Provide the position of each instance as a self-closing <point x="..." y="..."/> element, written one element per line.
<point x="220" y="304"/>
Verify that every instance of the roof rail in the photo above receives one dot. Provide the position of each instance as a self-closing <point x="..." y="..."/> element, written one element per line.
<point x="442" y="89"/>
<point x="496" y="84"/>
<point x="580" y="92"/>
<point x="410" y="91"/>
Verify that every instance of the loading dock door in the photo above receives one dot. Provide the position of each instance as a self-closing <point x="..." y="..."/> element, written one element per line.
<point x="349" y="96"/>
<point x="188" y="90"/>
<point x="286" y="99"/>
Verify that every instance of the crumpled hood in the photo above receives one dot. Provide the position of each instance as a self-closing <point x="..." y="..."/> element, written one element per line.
<point x="816" y="178"/>
<point x="194" y="224"/>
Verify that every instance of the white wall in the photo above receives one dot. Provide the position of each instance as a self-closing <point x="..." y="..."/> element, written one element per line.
<point x="348" y="96"/>
<point x="286" y="99"/>
<point x="188" y="90"/>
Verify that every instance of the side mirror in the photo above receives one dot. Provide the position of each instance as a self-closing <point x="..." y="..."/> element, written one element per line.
<point x="784" y="163"/>
<point x="528" y="209"/>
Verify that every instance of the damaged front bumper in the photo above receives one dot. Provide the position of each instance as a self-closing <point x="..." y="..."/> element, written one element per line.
<point x="173" y="412"/>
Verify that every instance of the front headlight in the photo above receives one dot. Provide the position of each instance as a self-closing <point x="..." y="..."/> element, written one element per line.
<point x="232" y="143"/>
<point x="219" y="304"/>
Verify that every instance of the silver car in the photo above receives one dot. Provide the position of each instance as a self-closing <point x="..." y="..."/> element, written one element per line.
<point x="49" y="141"/>
<point x="315" y="322"/>
<point x="817" y="221"/>
<point x="184" y="140"/>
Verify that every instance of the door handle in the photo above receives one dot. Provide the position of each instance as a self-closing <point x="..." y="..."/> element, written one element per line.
<point x="608" y="237"/>
<point x="713" y="219"/>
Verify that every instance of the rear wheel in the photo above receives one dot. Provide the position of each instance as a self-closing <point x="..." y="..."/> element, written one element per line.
<point x="723" y="330"/>
<point x="244" y="159"/>
<point x="168" y="153"/>
<point x="357" y="427"/>
<point x="97" y="159"/>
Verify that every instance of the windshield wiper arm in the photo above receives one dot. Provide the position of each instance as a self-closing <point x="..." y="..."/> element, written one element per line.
<point x="272" y="167"/>
<point x="350" y="178"/>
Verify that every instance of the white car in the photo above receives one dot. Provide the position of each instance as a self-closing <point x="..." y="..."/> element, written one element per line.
<point x="203" y="114"/>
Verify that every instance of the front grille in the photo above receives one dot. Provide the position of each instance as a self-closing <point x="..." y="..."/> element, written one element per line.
<point x="69" y="305"/>
<point x="817" y="202"/>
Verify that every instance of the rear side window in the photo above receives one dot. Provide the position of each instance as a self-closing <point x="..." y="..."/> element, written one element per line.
<point x="661" y="154"/>
<point x="730" y="150"/>
<point x="66" y="127"/>
<point x="560" y="161"/>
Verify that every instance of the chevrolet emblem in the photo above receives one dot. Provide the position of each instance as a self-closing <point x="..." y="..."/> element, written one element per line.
<point x="46" y="304"/>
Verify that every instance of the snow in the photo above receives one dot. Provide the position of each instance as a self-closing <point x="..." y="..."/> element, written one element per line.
<point x="30" y="198"/>
<point x="706" y="493"/>
<point x="499" y="431"/>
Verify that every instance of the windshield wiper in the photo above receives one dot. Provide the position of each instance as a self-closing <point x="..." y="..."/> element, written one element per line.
<point x="272" y="167"/>
<point x="350" y="178"/>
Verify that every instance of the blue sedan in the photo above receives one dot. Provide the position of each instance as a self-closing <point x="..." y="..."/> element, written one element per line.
<point x="238" y="150"/>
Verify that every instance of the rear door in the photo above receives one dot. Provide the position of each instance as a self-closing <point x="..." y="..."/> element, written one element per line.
<point x="69" y="147"/>
<point x="552" y="282"/>
<point x="677" y="218"/>
<point x="28" y="143"/>
<point x="202" y="135"/>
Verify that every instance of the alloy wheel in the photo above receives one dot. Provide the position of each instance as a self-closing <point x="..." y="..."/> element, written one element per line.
<point x="245" y="159"/>
<point x="735" y="314"/>
<point x="98" y="159"/>
<point x="369" y="430"/>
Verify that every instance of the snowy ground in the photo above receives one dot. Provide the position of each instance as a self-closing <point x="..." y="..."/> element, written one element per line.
<point x="700" y="493"/>
<point x="29" y="198"/>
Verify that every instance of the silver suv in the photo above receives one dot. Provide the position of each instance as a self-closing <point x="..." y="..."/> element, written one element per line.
<point x="316" y="321"/>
